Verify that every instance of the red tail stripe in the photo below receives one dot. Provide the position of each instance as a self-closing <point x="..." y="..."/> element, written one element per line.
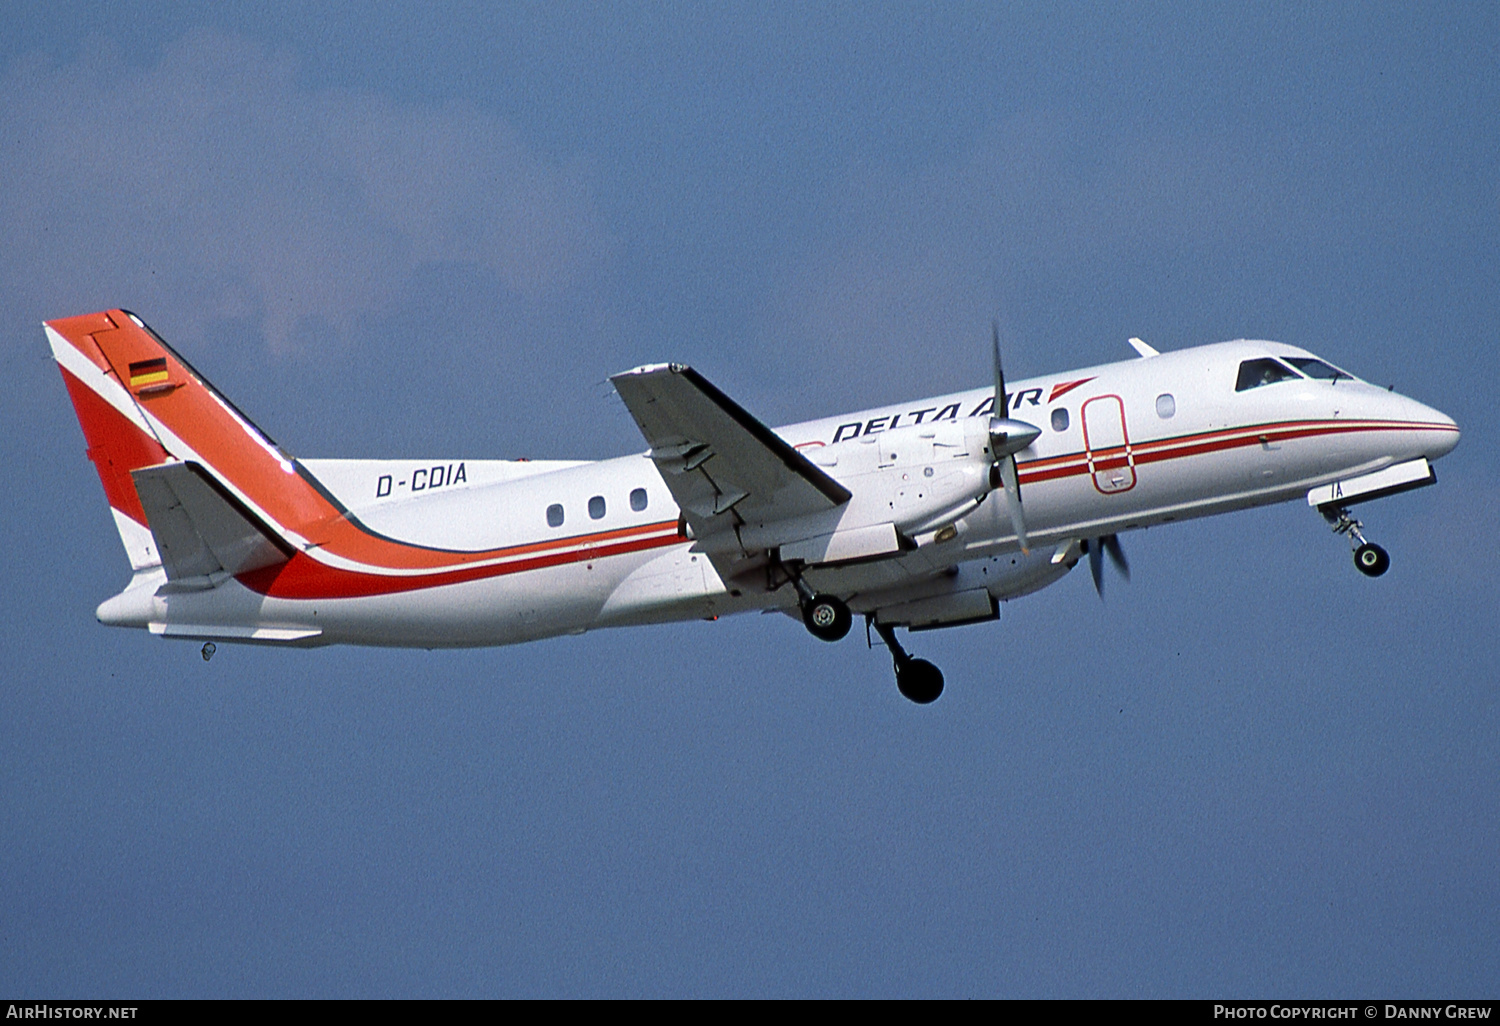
<point x="116" y="446"/>
<point x="239" y="454"/>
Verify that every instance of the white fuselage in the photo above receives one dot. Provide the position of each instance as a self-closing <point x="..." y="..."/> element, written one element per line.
<point x="1123" y="446"/>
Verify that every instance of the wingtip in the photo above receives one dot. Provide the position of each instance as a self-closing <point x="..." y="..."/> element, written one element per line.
<point x="644" y="370"/>
<point x="649" y="368"/>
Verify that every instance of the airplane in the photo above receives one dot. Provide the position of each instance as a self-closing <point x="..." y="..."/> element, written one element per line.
<point x="917" y="515"/>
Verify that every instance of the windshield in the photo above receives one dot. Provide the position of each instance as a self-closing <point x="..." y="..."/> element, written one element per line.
<point x="1318" y="369"/>
<point x="1255" y="373"/>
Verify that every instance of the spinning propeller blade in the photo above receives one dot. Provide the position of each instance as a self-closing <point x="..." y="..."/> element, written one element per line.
<point x="1096" y="548"/>
<point x="1008" y="437"/>
<point x="1002" y="398"/>
<point x="1116" y="554"/>
<point x="1013" y="500"/>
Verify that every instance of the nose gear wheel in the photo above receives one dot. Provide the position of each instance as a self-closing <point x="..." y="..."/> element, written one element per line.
<point x="1369" y="559"/>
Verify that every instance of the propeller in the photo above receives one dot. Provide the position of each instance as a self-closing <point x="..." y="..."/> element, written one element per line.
<point x="1096" y="548"/>
<point x="1008" y="437"/>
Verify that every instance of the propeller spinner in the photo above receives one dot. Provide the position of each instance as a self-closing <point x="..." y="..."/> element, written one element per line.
<point x="1008" y="437"/>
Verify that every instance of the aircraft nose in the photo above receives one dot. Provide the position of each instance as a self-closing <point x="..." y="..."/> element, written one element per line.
<point x="1440" y="432"/>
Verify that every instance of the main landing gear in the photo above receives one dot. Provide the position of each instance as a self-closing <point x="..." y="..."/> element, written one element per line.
<point x="916" y="679"/>
<point x="1370" y="559"/>
<point x="826" y="616"/>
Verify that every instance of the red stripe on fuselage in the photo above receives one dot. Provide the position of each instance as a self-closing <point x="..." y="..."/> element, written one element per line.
<point x="304" y="577"/>
<point x="1160" y="450"/>
<point x="240" y="456"/>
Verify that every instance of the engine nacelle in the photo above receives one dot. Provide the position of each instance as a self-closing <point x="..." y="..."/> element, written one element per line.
<point x="904" y="483"/>
<point x="972" y="593"/>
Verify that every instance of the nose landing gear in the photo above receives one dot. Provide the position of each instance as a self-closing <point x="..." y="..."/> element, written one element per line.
<point x="916" y="679"/>
<point x="1370" y="559"/>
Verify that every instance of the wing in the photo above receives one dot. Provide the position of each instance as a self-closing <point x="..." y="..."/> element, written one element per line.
<point x="724" y="467"/>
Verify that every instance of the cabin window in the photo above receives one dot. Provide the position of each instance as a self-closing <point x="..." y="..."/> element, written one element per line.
<point x="1166" y="406"/>
<point x="638" y="499"/>
<point x="1255" y="373"/>
<point x="555" y="515"/>
<point x="596" y="507"/>
<point x="1318" y="369"/>
<point x="1059" y="419"/>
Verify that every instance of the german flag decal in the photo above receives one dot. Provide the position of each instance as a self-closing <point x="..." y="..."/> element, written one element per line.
<point x="148" y="372"/>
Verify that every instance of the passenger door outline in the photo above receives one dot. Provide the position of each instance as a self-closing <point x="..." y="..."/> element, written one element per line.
<point x="1106" y="443"/>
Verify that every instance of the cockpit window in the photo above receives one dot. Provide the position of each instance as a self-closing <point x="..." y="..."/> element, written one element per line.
<point x="1254" y="373"/>
<point x="1318" y="369"/>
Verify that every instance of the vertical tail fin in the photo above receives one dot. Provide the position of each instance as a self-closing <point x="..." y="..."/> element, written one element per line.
<point x="141" y="405"/>
<point x="118" y="436"/>
<point x="200" y="491"/>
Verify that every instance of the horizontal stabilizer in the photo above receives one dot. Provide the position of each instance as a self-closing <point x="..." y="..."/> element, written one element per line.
<point x="200" y="530"/>
<point x="304" y="636"/>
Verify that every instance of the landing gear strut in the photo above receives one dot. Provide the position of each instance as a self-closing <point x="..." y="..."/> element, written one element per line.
<point x="1370" y="559"/>
<point x="916" y="679"/>
<point x="826" y="616"/>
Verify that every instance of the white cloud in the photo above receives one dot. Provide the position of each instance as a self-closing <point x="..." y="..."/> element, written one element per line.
<point x="216" y="184"/>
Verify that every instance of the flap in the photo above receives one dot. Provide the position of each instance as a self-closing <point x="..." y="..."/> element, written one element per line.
<point x="851" y="546"/>
<point x="199" y="529"/>
<point x="723" y="466"/>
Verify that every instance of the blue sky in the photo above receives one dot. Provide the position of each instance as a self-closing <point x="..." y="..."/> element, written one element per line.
<point x="436" y="233"/>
